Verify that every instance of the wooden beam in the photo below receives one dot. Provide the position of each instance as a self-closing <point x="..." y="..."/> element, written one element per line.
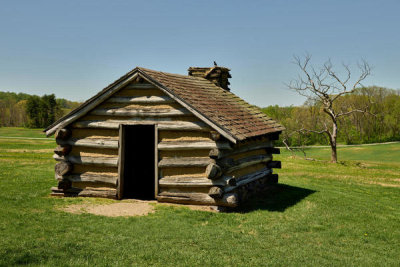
<point x="92" y="192"/>
<point x="162" y="125"/>
<point x="213" y="171"/>
<point x="201" y="181"/>
<point x="85" y="177"/>
<point x="63" y="133"/>
<point x="140" y="86"/>
<point x="184" y="162"/>
<point x="274" y="136"/>
<point x="121" y="163"/>
<point x="64" y="184"/>
<point x="273" y="150"/>
<point x="246" y="162"/>
<point x="156" y="189"/>
<point x="62" y="150"/>
<point x="63" y="167"/>
<point x="216" y="192"/>
<point x="106" y="162"/>
<point x="215" y="135"/>
<point x="141" y="99"/>
<point x="248" y="179"/>
<point x="229" y="200"/>
<point x="87" y="142"/>
<point x="141" y="112"/>
<point x="274" y="164"/>
<point x="192" y="145"/>
<point x="218" y="154"/>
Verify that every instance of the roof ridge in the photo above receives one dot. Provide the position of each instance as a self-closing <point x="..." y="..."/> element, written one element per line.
<point x="169" y="73"/>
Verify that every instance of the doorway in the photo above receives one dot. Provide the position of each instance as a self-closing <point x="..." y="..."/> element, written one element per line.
<point x="137" y="170"/>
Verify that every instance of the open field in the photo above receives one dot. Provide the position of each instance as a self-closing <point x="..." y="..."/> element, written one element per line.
<point x="320" y="214"/>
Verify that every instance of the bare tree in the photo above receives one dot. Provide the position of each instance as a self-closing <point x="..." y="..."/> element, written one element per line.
<point x="324" y="86"/>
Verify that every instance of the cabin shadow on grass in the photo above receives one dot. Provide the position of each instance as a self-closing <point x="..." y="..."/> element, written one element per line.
<point x="276" y="198"/>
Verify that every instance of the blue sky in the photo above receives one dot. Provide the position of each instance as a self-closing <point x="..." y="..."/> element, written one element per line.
<point x="76" y="48"/>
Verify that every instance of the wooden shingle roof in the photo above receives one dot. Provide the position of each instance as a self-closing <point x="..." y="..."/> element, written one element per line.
<point x="214" y="105"/>
<point x="224" y="108"/>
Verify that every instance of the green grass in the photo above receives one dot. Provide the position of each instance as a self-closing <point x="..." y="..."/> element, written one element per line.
<point x="376" y="153"/>
<point x="21" y="132"/>
<point x="320" y="214"/>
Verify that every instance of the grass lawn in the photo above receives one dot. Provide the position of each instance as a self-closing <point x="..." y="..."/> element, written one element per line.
<point x="22" y="132"/>
<point x="320" y="214"/>
<point x="379" y="153"/>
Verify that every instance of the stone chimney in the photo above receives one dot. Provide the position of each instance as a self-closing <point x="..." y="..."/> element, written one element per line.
<point x="218" y="75"/>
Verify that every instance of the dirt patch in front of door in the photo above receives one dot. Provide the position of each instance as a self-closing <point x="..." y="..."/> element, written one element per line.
<point x="127" y="209"/>
<point x="123" y="209"/>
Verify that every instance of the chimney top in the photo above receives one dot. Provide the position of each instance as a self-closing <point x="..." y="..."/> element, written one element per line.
<point x="218" y="75"/>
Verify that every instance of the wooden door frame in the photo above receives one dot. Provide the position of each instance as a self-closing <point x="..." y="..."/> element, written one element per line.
<point x="121" y="158"/>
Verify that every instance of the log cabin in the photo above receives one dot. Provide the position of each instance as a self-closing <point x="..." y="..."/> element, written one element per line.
<point x="174" y="138"/>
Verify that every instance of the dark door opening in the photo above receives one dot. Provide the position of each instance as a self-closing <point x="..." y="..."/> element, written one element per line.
<point x="138" y="173"/>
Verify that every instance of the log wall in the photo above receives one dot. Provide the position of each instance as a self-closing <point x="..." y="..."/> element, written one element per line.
<point x="195" y="164"/>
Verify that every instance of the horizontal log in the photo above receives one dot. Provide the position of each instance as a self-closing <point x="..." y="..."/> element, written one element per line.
<point x="273" y="150"/>
<point x="228" y="200"/>
<point x="141" y="99"/>
<point x="274" y="164"/>
<point x="184" y="162"/>
<point x="246" y="162"/>
<point x="62" y="150"/>
<point x="178" y="181"/>
<point x="161" y="125"/>
<point x="94" y="143"/>
<point x="140" y="86"/>
<point x="63" y="167"/>
<point x="218" y="154"/>
<point x="106" y="162"/>
<point x="108" y="179"/>
<point x="248" y="179"/>
<point x="92" y="192"/>
<point x="175" y="145"/>
<point x="141" y="112"/>
<point x="274" y="136"/>
<point x="190" y="145"/>
<point x="63" y="133"/>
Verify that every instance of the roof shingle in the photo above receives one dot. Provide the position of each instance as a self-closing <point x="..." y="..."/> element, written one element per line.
<point x="222" y="107"/>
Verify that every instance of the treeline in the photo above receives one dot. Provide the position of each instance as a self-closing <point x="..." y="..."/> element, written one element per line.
<point x="24" y="110"/>
<point x="378" y="119"/>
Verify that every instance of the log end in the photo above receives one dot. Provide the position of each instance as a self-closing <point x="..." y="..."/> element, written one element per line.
<point x="214" y="153"/>
<point x="274" y="164"/>
<point x="213" y="171"/>
<point x="63" y="168"/>
<point x="215" y="192"/>
<point x="63" y="134"/>
<point x="62" y="150"/>
<point x="215" y="135"/>
<point x="64" y="184"/>
<point x="273" y="150"/>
